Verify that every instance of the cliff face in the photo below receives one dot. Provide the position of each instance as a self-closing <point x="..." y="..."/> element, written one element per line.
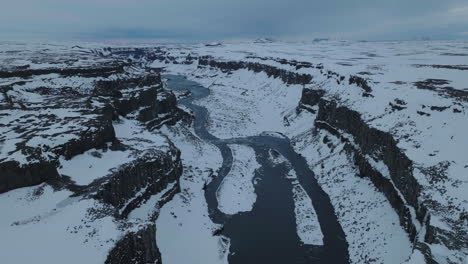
<point x="374" y="152"/>
<point x="287" y="77"/>
<point x="100" y="132"/>
<point x="367" y="145"/>
<point x="364" y="143"/>
<point x="137" y="181"/>
<point x="85" y="116"/>
<point x="136" y="247"/>
<point x="141" y="246"/>
<point x="343" y="122"/>
<point x="375" y="143"/>
<point x="13" y="175"/>
<point x="91" y="132"/>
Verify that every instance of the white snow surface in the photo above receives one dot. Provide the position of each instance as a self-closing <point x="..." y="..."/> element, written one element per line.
<point x="244" y="103"/>
<point x="236" y="193"/>
<point x="92" y="164"/>
<point x="51" y="227"/>
<point x="371" y="226"/>
<point x="184" y="229"/>
<point x="308" y="226"/>
<point x="430" y="127"/>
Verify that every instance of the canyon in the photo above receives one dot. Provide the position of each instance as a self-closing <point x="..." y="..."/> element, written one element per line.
<point x="251" y="152"/>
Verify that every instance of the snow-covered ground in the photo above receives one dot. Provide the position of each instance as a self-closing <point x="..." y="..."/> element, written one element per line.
<point x="419" y="94"/>
<point x="184" y="229"/>
<point x="371" y="226"/>
<point x="47" y="226"/>
<point x="237" y="192"/>
<point x="307" y="224"/>
<point x="256" y="103"/>
<point x="47" y="120"/>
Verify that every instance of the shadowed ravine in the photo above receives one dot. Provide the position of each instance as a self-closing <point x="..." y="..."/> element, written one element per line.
<point x="267" y="234"/>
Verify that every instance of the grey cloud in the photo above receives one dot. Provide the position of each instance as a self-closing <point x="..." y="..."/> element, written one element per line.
<point x="214" y="19"/>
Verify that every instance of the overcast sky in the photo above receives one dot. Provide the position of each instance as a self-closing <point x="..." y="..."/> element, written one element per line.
<point x="233" y="19"/>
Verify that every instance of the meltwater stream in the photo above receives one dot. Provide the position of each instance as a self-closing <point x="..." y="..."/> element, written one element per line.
<point x="266" y="234"/>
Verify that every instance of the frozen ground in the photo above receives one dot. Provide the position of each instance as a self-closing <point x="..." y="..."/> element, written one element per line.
<point x="419" y="94"/>
<point x="184" y="223"/>
<point x="371" y="226"/>
<point x="55" y="116"/>
<point x="54" y="228"/>
<point x="307" y="223"/>
<point x="237" y="192"/>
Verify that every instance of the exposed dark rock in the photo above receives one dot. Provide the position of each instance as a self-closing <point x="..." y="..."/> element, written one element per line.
<point x="361" y="82"/>
<point x="88" y="71"/>
<point x="380" y="182"/>
<point x="426" y="251"/>
<point x="99" y="133"/>
<point x="14" y="175"/>
<point x="375" y="143"/>
<point x="287" y="77"/>
<point x="154" y="104"/>
<point x="135" y="100"/>
<point x="396" y="106"/>
<point x="310" y="97"/>
<point x="440" y="86"/>
<point x="141" y="246"/>
<point x="214" y="44"/>
<point x="136" y="181"/>
<point x="136" y="248"/>
<point x="400" y="101"/>
<point x="440" y="66"/>
<point x="368" y="142"/>
<point x="92" y="126"/>
<point x="421" y="113"/>
<point x="384" y="185"/>
<point x="439" y="108"/>
<point x="69" y="121"/>
<point x="452" y="240"/>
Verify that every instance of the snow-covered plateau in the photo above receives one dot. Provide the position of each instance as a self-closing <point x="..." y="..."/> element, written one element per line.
<point x="246" y="152"/>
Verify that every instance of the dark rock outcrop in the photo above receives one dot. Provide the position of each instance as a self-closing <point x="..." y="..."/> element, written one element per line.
<point x="138" y="180"/>
<point x="14" y="175"/>
<point x="364" y="142"/>
<point x="453" y="241"/>
<point x="310" y="98"/>
<point x="100" y="131"/>
<point x="166" y="111"/>
<point x="87" y="114"/>
<point x="382" y="183"/>
<point x="361" y="82"/>
<point x="88" y="71"/>
<point x="137" y="248"/>
<point x="155" y="105"/>
<point x="441" y="87"/>
<point x="426" y="251"/>
<point x="287" y="77"/>
<point x="375" y="143"/>
<point x="141" y="246"/>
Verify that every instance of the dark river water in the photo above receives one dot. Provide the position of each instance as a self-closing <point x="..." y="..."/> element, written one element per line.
<point x="266" y="234"/>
